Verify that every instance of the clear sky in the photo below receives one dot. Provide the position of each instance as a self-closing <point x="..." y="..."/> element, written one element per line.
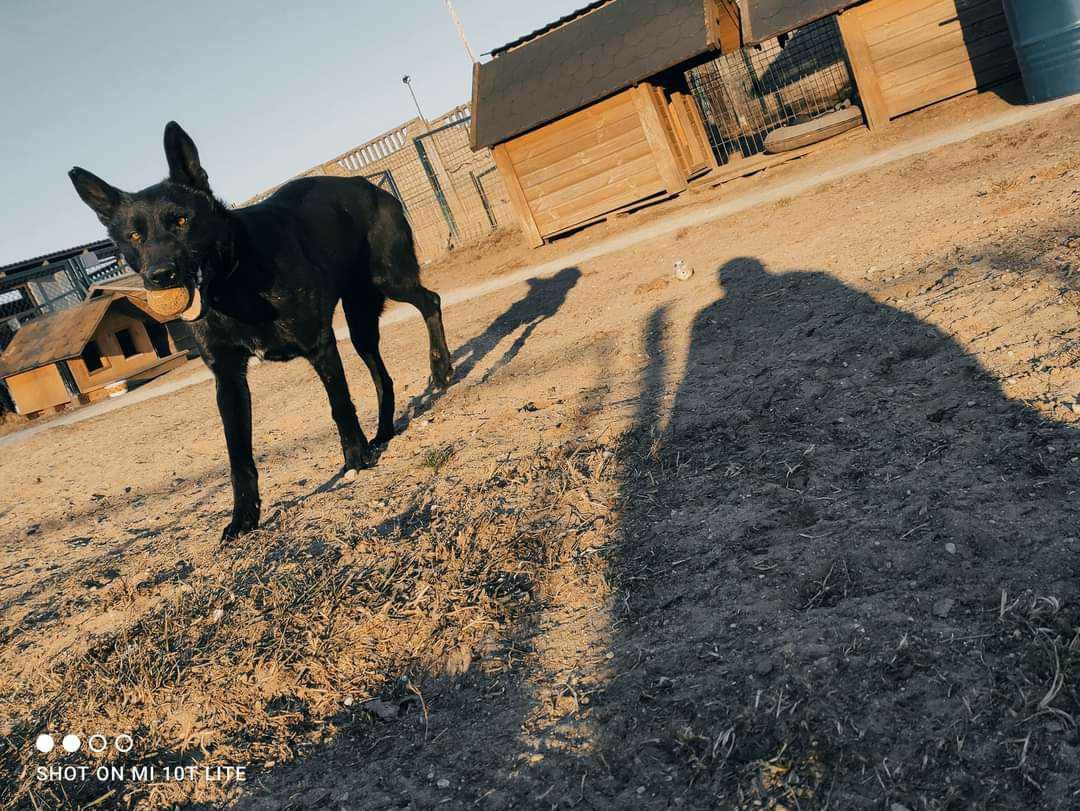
<point x="266" y="89"/>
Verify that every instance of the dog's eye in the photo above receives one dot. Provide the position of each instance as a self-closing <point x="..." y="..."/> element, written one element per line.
<point x="181" y="222"/>
<point x="134" y="236"/>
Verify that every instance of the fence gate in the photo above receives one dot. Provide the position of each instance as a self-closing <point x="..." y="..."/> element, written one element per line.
<point x="790" y="79"/>
<point x="492" y="193"/>
<point x="466" y="181"/>
<point x="385" y="181"/>
<point x="426" y="161"/>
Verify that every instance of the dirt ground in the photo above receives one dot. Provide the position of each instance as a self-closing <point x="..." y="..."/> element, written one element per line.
<point x="800" y="532"/>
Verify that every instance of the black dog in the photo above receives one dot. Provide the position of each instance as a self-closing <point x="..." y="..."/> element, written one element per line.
<point x="265" y="280"/>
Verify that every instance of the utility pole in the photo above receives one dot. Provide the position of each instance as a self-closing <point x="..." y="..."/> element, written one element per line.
<point x="461" y="32"/>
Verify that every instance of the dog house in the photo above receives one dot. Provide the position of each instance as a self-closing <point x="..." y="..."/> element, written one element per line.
<point x="587" y="116"/>
<point x="908" y="54"/>
<point x="82" y="352"/>
<point x="623" y="102"/>
<point x="904" y="54"/>
<point x="887" y="57"/>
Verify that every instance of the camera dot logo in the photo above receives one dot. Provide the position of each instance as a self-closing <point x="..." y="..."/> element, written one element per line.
<point x="44" y="743"/>
<point x="71" y="743"/>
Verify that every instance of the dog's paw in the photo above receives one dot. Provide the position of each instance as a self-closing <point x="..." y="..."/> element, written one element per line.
<point x="360" y="459"/>
<point x="442" y="377"/>
<point x="238" y="527"/>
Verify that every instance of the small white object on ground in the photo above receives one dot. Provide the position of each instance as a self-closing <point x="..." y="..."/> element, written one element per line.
<point x="682" y="270"/>
<point x="350" y="475"/>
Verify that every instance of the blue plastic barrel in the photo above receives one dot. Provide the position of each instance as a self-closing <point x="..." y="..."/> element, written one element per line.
<point x="1046" y="35"/>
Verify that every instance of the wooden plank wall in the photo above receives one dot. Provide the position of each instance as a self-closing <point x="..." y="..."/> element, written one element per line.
<point x="116" y="366"/>
<point x="691" y="136"/>
<point x="907" y="54"/>
<point x="586" y="164"/>
<point x="38" y="389"/>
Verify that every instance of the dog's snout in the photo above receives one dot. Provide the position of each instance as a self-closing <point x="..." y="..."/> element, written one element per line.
<point x="163" y="276"/>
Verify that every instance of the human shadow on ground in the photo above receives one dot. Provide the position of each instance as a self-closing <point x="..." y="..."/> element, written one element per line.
<point x="851" y="562"/>
<point x="541" y="301"/>
<point x="847" y="577"/>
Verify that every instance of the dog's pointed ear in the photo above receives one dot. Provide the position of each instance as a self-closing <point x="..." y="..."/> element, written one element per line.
<point x="183" y="158"/>
<point x="96" y="193"/>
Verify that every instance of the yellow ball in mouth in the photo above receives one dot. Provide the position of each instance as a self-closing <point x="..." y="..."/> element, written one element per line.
<point x="168" y="303"/>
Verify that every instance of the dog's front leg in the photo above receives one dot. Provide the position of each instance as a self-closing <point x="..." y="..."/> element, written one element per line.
<point x="234" y="403"/>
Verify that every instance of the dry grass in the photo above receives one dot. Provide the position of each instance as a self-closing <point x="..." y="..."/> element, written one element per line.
<point x="271" y="645"/>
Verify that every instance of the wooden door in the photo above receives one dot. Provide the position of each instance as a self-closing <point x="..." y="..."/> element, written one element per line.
<point x="582" y="166"/>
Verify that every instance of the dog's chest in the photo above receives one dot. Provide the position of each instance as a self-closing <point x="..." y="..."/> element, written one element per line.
<point x="273" y="325"/>
<point x="278" y="342"/>
<point x="277" y="351"/>
<point x="274" y="341"/>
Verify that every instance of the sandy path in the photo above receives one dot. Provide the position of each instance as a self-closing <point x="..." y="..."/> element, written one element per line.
<point x="635" y="236"/>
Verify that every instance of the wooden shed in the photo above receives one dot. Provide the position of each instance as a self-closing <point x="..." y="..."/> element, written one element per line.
<point x="908" y="54"/>
<point x="904" y="54"/>
<point x="81" y="351"/>
<point x="595" y="113"/>
<point x="590" y="115"/>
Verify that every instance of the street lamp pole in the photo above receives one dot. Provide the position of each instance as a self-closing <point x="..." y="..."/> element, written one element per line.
<point x="408" y="83"/>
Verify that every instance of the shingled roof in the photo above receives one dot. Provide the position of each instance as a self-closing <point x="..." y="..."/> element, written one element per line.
<point x="763" y="19"/>
<point x="586" y="56"/>
<point x="573" y="15"/>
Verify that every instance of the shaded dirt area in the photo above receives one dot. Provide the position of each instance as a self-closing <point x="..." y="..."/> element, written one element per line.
<point x="802" y="531"/>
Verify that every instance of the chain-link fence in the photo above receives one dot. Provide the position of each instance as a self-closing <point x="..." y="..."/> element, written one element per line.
<point x="746" y="94"/>
<point x="39" y="292"/>
<point x="475" y="207"/>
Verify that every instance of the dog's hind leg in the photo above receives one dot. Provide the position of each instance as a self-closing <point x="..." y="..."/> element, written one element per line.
<point x="395" y="271"/>
<point x="354" y="445"/>
<point x="362" y="310"/>
<point x="430" y="306"/>
<point x="407" y="288"/>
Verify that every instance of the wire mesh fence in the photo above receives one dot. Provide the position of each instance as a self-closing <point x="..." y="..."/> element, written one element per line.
<point x="791" y="79"/>
<point x="16" y="308"/>
<point x="457" y="171"/>
<point x="451" y="195"/>
<point x="43" y="291"/>
<point x="495" y="198"/>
